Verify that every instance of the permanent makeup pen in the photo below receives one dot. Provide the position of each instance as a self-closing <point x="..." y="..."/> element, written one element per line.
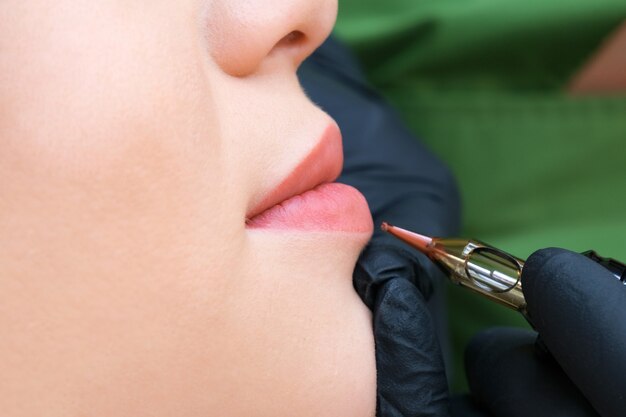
<point x="482" y="268"/>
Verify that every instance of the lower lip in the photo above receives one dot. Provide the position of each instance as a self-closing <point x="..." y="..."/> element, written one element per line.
<point x="328" y="207"/>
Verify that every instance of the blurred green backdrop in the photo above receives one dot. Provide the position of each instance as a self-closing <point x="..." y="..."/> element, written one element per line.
<point x="482" y="82"/>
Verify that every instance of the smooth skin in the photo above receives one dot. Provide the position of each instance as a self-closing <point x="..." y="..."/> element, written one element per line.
<point x="134" y="138"/>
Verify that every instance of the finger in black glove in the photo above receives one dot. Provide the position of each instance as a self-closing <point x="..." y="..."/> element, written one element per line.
<point x="411" y="376"/>
<point x="510" y="379"/>
<point x="579" y="308"/>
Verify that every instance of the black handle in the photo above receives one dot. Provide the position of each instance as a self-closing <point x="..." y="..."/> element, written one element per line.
<point x="617" y="268"/>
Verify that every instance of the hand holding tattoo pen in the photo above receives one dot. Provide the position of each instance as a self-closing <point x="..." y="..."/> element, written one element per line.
<point x="485" y="269"/>
<point x="576" y="303"/>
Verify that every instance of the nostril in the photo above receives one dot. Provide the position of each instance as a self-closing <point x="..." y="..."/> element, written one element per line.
<point x="292" y="39"/>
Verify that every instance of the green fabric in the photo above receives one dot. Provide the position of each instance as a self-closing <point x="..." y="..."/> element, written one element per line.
<point x="482" y="83"/>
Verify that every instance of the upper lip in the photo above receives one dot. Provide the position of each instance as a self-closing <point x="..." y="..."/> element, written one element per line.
<point x="322" y="165"/>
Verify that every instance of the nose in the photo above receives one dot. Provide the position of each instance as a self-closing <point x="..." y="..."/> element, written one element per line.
<point x="244" y="36"/>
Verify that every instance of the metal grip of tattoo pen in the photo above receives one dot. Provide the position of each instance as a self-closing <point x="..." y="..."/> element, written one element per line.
<point x="484" y="269"/>
<point x="481" y="268"/>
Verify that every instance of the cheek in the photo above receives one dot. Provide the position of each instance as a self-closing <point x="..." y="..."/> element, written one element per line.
<point x="114" y="204"/>
<point x="85" y="82"/>
<point x="109" y="124"/>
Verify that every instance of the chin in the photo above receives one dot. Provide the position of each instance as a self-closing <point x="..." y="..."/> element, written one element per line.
<point x="304" y="323"/>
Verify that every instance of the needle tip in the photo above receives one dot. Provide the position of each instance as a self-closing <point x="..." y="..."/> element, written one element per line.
<point x="418" y="241"/>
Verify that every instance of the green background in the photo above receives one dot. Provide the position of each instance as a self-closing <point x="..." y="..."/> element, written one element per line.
<point x="482" y="83"/>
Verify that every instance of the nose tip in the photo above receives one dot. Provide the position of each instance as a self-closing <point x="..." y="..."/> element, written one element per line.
<point x="243" y="35"/>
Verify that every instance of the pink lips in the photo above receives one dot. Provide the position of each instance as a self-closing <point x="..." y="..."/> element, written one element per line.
<point x="307" y="199"/>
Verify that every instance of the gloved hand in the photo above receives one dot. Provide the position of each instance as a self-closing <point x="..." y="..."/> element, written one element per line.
<point x="579" y="309"/>
<point x="404" y="184"/>
<point x="411" y="379"/>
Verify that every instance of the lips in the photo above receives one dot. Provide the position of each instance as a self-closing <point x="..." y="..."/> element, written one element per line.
<point x="307" y="199"/>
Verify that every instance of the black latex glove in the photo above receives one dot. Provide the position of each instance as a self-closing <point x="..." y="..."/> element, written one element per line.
<point x="411" y="379"/>
<point x="579" y="309"/>
<point x="403" y="184"/>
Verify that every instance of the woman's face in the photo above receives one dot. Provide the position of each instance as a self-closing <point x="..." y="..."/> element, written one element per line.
<point x="140" y="274"/>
